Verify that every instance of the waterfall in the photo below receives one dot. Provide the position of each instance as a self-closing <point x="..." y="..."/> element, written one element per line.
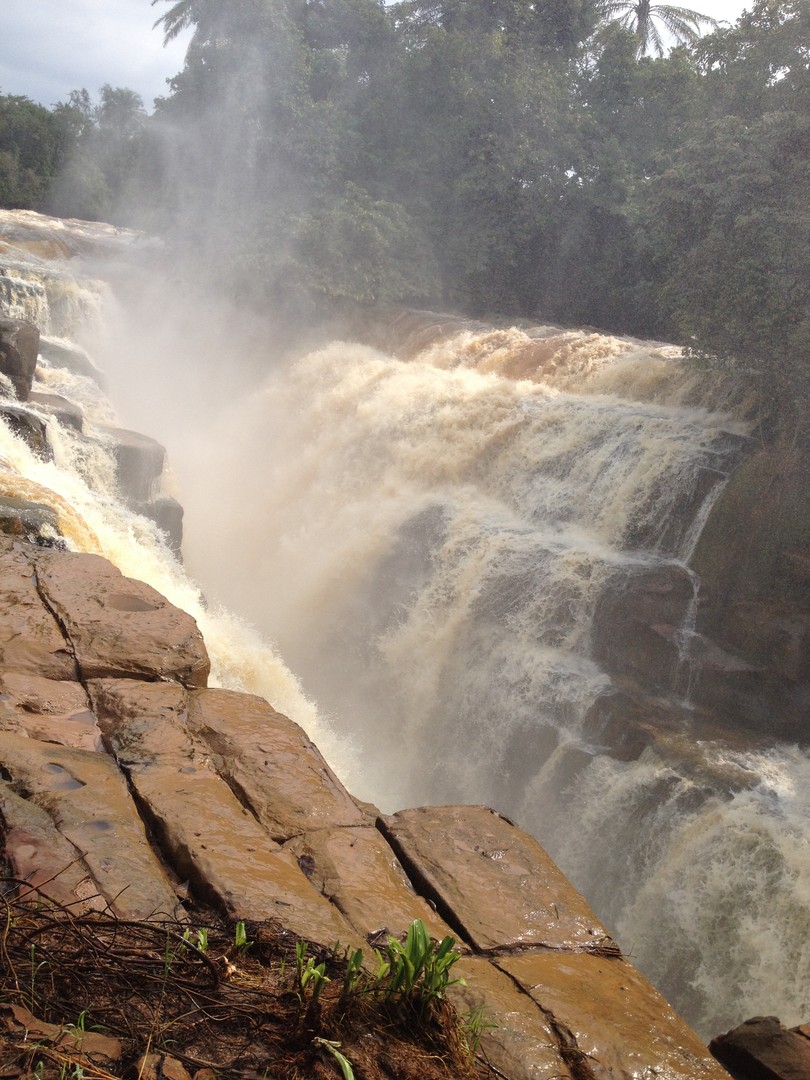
<point x="427" y="534"/>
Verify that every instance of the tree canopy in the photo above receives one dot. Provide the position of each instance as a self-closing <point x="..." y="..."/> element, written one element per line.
<point x="519" y="157"/>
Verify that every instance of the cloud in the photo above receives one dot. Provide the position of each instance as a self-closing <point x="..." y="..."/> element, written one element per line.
<point x="51" y="48"/>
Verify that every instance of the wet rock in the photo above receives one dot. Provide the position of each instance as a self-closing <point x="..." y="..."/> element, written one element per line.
<point x="490" y="880"/>
<point x="31" y="521"/>
<point x="167" y="514"/>
<point x="36" y="852"/>
<point x="64" y="354"/>
<point x="139" y="463"/>
<point x="277" y="769"/>
<point x="19" y="347"/>
<point x="763" y="1049"/>
<point x="611" y="1024"/>
<point x="359" y="873"/>
<point x="630" y="624"/>
<point x="118" y="626"/>
<point x="28" y="427"/>
<point x="204" y="831"/>
<point x="31" y="640"/>
<point x="47" y="710"/>
<point x="516" y="1036"/>
<point x="68" y="414"/>
<point x="88" y="800"/>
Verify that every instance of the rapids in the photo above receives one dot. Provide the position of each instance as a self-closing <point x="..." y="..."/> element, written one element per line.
<point x="424" y="537"/>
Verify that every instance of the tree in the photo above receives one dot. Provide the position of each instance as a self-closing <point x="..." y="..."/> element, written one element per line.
<point x="643" y="18"/>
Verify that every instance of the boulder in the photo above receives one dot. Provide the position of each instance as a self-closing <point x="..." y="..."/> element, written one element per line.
<point x="66" y="355"/>
<point x="32" y="521"/>
<point x="167" y="514"/>
<point x="19" y="347"/>
<point x="117" y="626"/>
<point x="491" y="881"/>
<point x="28" y="427"/>
<point x="66" y="412"/>
<point x="763" y="1049"/>
<point x="139" y="463"/>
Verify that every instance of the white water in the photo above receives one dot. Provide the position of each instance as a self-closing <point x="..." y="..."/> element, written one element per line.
<point x="425" y="542"/>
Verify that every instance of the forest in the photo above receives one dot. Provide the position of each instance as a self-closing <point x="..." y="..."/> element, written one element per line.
<point x="541" y="160"/>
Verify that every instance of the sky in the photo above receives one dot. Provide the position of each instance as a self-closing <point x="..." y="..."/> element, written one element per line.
<point x="50" y="47"/>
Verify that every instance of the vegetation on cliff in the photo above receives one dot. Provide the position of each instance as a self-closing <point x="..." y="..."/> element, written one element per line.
<point x="88" y="996"/>
<point x="508" y="157"/>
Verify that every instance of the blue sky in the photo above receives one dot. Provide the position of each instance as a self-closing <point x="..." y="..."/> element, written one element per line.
<point x="50" y="47"/>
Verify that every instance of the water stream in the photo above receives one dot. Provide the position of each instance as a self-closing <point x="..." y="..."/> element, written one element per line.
<point x="425" y="539"/>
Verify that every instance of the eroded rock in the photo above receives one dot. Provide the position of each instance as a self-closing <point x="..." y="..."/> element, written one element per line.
<point x="118" y="626"/>
<point x="31" y="640"/>
<point x="87" y="798"/>
<point x="273" y="763"/>
<point x="611" y="1023"/>
<point x="764" y="1049"/>
<point x="359" y="873"/>
<point x="19" y="347"/>
<point x="490" y="880"/>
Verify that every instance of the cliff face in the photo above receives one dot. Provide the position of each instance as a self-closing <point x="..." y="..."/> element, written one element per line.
<point x="124" y="777"/>
<point x="130" y="785"/>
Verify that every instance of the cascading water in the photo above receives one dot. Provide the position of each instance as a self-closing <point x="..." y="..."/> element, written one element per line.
<point x="428" y="542"/>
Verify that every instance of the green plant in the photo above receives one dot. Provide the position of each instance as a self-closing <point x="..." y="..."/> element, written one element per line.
<point x="309" y="973"/>
<point x="420" y="967"/>
<point x="354" y="974"/>
<point x="473" y="1026"/>
<point x="240" y="938"/>
<point x="332" y="1048"/>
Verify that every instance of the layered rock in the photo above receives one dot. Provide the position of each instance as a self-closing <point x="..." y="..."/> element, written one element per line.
<point x="127" y="782"/>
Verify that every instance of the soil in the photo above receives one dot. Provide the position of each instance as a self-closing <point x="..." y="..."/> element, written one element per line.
<point x="86" y="996"/>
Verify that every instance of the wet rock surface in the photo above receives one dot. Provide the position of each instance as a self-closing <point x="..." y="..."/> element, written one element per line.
<point x="764" y="1049"/>
<point x="127" y="793"/>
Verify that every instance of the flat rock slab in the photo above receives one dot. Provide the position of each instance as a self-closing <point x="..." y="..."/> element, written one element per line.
<point x="516" y="1036"/>
<point x="610" y="1019"/>
<point x="359" y="872"/>
<point x="87" y="798"/>
<point x="47" y="710"/>
<point x="764" y="1049"/>
<point x="118" y="626"/>
<point x="31" y="640"/>
<point x="215" y="843"/>
<point x="273" y="763"/>
<point x="491" y="880"/>
<point x="38" y="853"/>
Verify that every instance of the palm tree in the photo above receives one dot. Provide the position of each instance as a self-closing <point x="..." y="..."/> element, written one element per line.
<point x="643" y="18"/>
<point x="180" y="16"/>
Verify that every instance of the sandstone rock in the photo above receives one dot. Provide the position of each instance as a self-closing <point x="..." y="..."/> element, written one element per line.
<point x="66" y="412"/>
<point x="359" y="873"/>
<point x="167" y="514"/>
<point x="30" y="638"/>
<point x="66" y="355"/>
<point x="216" y="844"/>
<point x="47" y="710"/>
<point x="31" y="521"/>
<point x="763" y="1049"/>
<point x="516" y="1036"/>
<point x="160" y="1067"/>
<point x="87" y="798"/>
<point x="490" y="880"/>
<point x="139" y="463"/>
<point x="19" y="346"/>
<point x="633" y="609"/>
<point x="277" y="769"/>
<point x="118" y="626"/>
<point x="38" y="853"/>
<point x="28" y="427"/>
<point x="85" y="1048"/>
<point x="204" y="831"/>
<point x="611" y="1023"/>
